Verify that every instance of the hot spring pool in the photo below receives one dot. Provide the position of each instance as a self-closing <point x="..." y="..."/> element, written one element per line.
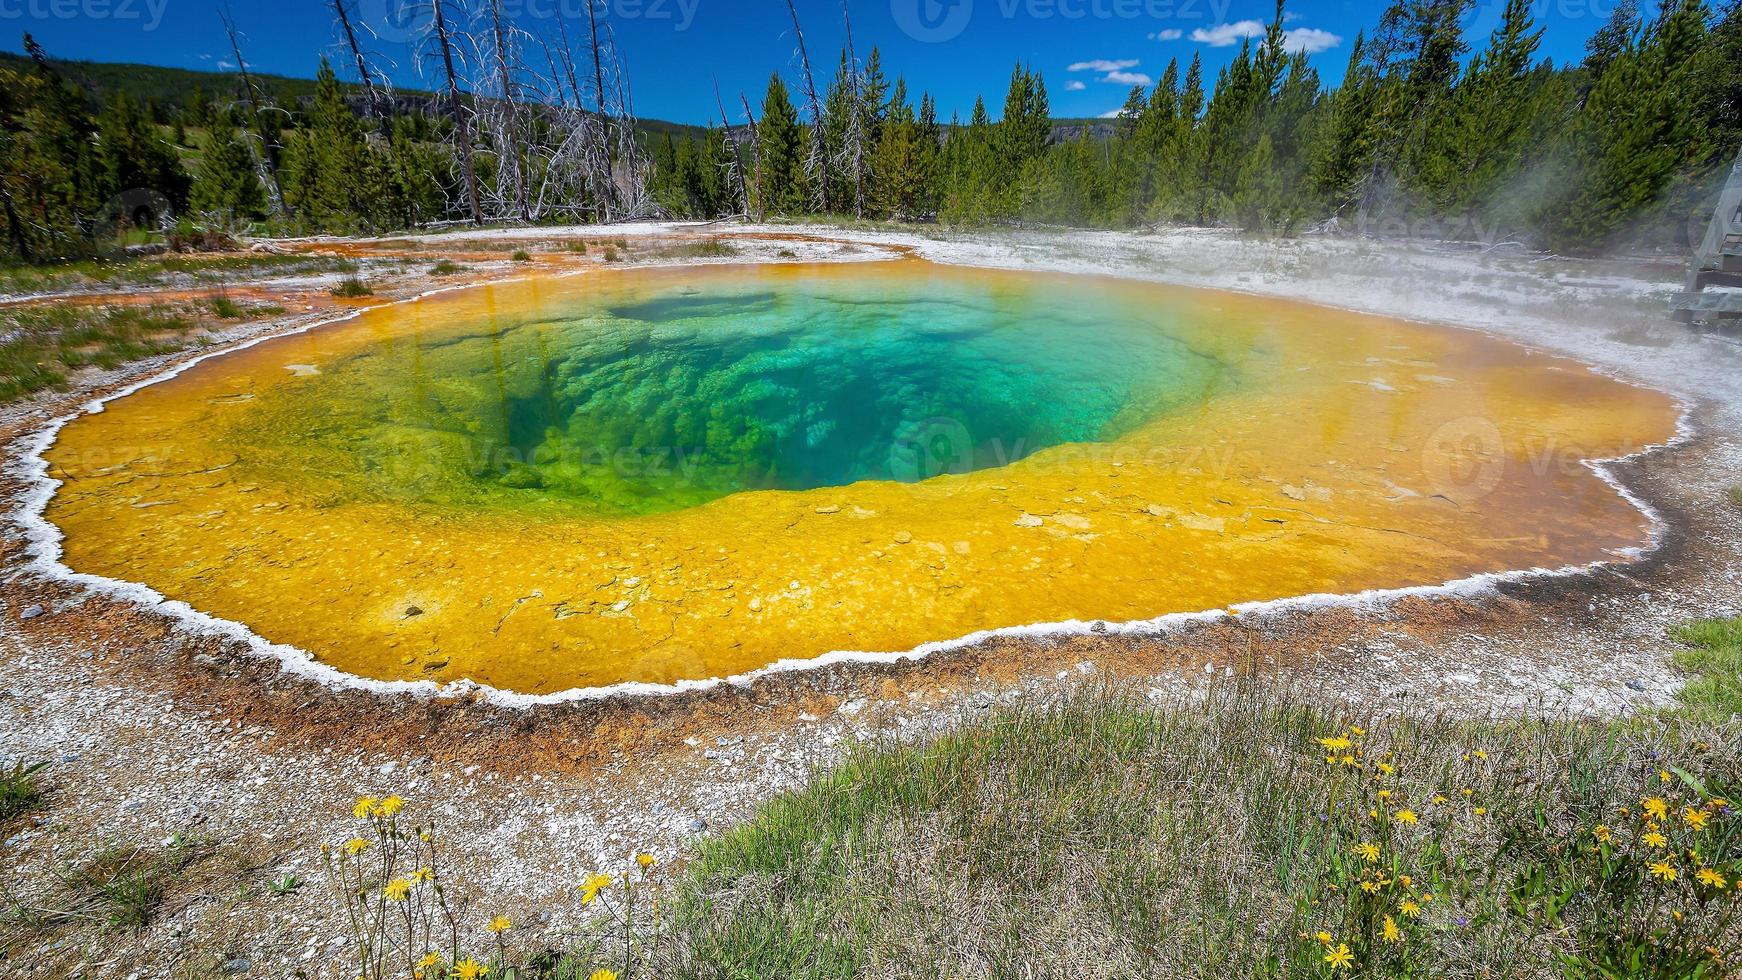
<point x="681" y="474"/>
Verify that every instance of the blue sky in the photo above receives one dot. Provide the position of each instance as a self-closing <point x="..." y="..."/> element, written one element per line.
<point x="1091" y="51"/>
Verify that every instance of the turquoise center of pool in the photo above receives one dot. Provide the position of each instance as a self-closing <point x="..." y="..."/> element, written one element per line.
<point x="658" y="397"/>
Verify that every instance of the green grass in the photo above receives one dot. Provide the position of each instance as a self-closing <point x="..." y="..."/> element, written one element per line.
<point x="713" y="248"/>
<point x="610" y="253"/>
<point x="151" y="271"/>
<point x="446" y="267"/>
<point x="19" y="791"/>
<point x="353" y="288"/>
<point x="1102" y="836"/>
<point x="1715" y="660"/>
<point x="521" y="255"/>
<point x="1736" y="496"/>
<point x="578" y="247"/>
<point x="43" y="344"/>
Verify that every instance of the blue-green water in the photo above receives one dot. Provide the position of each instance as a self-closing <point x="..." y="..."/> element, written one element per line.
<point x="658" y="396"/>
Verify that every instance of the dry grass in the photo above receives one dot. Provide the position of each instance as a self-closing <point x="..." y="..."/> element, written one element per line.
<point x="1105" y="837"/>
<point x="40" y="346"/>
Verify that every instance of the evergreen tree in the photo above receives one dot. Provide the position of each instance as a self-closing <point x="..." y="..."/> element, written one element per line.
<point x="334" y="180"/>
<point x="227" y="184"/>
<point x="134" y="157"/>
<point x="780" y="184"/>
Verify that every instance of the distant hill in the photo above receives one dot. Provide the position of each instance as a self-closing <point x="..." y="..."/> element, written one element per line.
<point x="172" y="88"/>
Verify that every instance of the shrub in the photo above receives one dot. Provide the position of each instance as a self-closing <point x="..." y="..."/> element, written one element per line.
<point x="19" y="792"/>
<point x="446" y="267"/>
<point x="611" y="253"/>
<point x="353" y="288"/>
<point x="578" y="247"/>
<point x="225" y="308"/>
<point x="521" y="255"/>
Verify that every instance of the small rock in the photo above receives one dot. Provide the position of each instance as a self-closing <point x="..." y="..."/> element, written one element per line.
<point x="1029" y="520"/>
<point x="904" y="537"/>
<point x="830" y="509"/>
<point x="411" y="611"/>
<point x="698" y="825"/>
<point x="1636" y="685"/>
<point x="240" y="964"/>
<point x="31" y="612"/>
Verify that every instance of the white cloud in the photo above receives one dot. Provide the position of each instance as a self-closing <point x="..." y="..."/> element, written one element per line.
<point x="1311" y="40"/>
<point x="1112" y="113"/>
<point x="1074" y="86"/>
<point x="226" y="64"/>
<point x="1128" y="78"/>
<point x="1227" y="35"/>
<point x="1103" y="64"/>
<point x="1171" y="34"/>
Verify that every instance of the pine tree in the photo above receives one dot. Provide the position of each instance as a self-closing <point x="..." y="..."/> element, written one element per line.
<point x="334" y="180"/>
<point x="227" y="185"/>
<point x="780" y="153"/>
<point x="135" y="158"/>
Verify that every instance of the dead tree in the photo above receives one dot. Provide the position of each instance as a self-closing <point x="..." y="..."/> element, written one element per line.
<point x="441" y="32"/>
<point x="251" y="95"/>
<point x="600" y="157"/>
<point x="734" y="163"/>
<point x="363" y="72"/>
<point x="853" y="138"/>
<point x="816" y="164"/>
<point x="510" y="151"/>
<point x="753" y="205"/>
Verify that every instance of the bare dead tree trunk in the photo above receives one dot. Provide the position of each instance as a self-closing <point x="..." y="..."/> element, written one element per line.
<point x="512" y="149"/>
<point x="363" y="72"/>
<point x="631" y="155"/>
<point x="250" y="94"/>
<point x="569" y="63"/>
<point x="854" y="138"/>
<point x="601" y="156"/>
<point x="753" y="207"/>
<point x="736" y="163"/>
<point x="444" y="38"/>
<point x="816" y="164"/>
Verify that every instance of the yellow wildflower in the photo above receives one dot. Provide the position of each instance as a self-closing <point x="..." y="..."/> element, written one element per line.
<point x="603" y="974"/>
<point x="1481" y="811"/>
<point x="1335" y="743"/>
<point x="1390" y="931"/>
<point x="1480" y="754"/>
<point x="1663" y="775"/>
<point x="469" y="969"/>
<point x="1348" y="760"/>
<point x="1369" y="852"/>
<point x="1357" y="730"/>
<point x="363" y="806"/>
<point x="1340" y="958"/>
<point x="1469" y="792"/>
<point x="356" y="846"/>
<point x="1371" y="887"/>
<point x="645" y="860"/>
<point x="1324" y="938"/>
<point x="1602" y="833"/>
<point x="1439" y="800"/>
<point x="1709" y="877"/>
<point x="389" y="806"/>
<point x="1656" y="807"/>
<point x="1654" y="839"/>
<point x="1405" y="881"/>
<point x="396" y="890"/>
<point x="422" y="876"/>
<point x="1410" y="909"/>
<point x="1662" y="870"/>
<point x="1696" y="819"/>
<point x="1405" y="817"/>
<point x="429" y="960"/>
<point x="591" y="888"/>
<point x="1386" y="768"/>
<point x="1385" y="794"/>
<point x="1718" y="803"/>
<point x="500" y="924"/>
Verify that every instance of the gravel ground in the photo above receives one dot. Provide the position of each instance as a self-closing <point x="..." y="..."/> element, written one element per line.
<point x="153" y="732"/>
